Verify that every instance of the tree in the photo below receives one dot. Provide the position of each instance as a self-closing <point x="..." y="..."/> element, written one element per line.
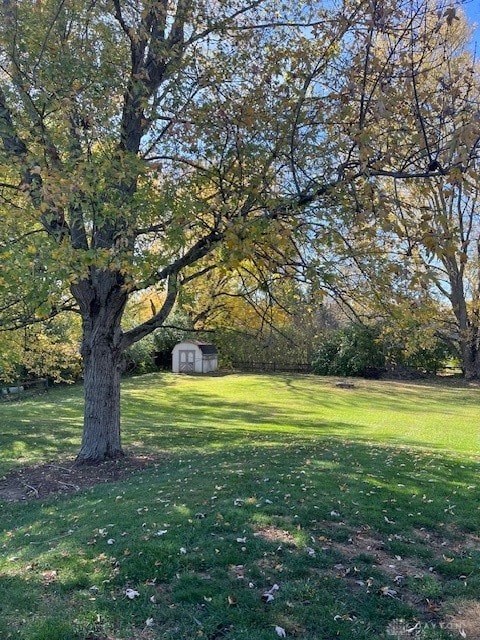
<point x="374" y="349"/>
<point x="408" y="228"/>
<point x="47" y="349"/>
<point x="437" y="220"/>
<point x="441" y="221"/>
<point x="140" y="138"/>
<point x="351" y="351"/>
<point x="259" y="315"/>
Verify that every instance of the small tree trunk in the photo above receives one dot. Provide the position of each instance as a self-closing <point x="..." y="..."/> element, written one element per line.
<point x="468" y="324"/>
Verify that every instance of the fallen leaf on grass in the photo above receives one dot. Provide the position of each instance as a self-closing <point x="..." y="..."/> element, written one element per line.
<point x="268" y="596"/>
<point x="239" y="571"/>
<point x="274" y="588"/>
<point x="387" y="591"/>
<point x="346" y="616"/>
<point x="49" y="576"/>
<point x="432" y="607"/>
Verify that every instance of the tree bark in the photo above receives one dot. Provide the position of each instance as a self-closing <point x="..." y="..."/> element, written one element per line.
<point x="101" y="429"/>
<point x="102" y="300"/>
<point x="470" y="357"/>
<point x="468" y="323"/>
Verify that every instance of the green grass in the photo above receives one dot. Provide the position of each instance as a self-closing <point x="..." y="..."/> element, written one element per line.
<point x="330" y="493"/>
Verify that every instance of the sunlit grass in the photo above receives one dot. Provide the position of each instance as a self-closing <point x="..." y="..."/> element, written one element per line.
<point x="422" y="414"/>
<point x="165" y="411"/>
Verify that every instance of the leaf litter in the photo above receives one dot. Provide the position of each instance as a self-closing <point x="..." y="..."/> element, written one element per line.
<point x="39" y="481"/>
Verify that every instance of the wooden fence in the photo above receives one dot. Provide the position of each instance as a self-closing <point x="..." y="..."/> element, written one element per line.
<point x="23" y="388"/>
<point x="272" y="367"/>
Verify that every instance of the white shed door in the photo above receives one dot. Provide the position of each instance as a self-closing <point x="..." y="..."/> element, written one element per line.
<point x="187" y="361"/>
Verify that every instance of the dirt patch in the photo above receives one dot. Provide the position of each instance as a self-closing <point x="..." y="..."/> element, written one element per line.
<point x="63" y="477"/>
<point x="363" y="543"/>
<point x="466" y="620"/>
<point x="463" y="622"/>
<point x="273" y="534"/>
<point x="457" y="543"/>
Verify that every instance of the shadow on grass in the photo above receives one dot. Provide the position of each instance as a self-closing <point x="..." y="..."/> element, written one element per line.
<point x="41" y="429"/>
<point x="211" y="419"/>
<point x="162" y="411"/>
<point x="182" y="531"/>
<point x="250" y="485"/>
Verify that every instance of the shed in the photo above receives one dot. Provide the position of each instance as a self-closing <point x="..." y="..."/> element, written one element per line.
<point x="193" y="356"/>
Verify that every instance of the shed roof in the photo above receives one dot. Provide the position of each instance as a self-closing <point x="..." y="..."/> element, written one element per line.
<point x="206" y="348"/>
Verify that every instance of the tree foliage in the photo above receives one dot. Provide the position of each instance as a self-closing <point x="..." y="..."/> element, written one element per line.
<point x="144" y="145"/>
<point x="408" y="228"/>
<point x="44" y="349"/>
<point x="376" y="349"/>
<point x="148" y="144"/>
<point x="350" y="351"/>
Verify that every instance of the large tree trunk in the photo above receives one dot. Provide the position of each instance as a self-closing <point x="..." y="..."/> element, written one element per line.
<point x="101" y="427"/>
<point x="102" y="301"/>
<point x="470" y="350"/>
<point x="468" y="322"/>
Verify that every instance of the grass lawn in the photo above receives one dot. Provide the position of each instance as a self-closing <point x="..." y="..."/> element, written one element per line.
<point x="279" y="504"/>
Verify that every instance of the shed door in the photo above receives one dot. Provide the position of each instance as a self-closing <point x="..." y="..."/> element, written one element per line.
<point x="187" y="361"/>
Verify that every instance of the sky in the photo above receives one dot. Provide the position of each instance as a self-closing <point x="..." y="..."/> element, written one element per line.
<point x="472" y="9"/>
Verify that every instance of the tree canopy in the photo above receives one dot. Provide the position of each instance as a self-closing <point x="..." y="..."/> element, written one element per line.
<point x="148" y="143"/>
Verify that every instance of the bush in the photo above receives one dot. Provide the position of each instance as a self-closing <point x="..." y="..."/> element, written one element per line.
<point x="154" y="351"/>
<point x="324" y="362"/>
<point x="368" y="351"/>
<point x="429" y="359"/>
<point x="139" y="357"/>
<point x="352" y="351"/>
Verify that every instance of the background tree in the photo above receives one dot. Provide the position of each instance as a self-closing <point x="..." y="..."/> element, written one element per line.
<point x="263" y="314"/>
<point x="408" y="227"/>
<point x="49" y="349"/>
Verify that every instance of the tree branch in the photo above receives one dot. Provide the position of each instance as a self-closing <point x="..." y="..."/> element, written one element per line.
<point x="142" y="330"/>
